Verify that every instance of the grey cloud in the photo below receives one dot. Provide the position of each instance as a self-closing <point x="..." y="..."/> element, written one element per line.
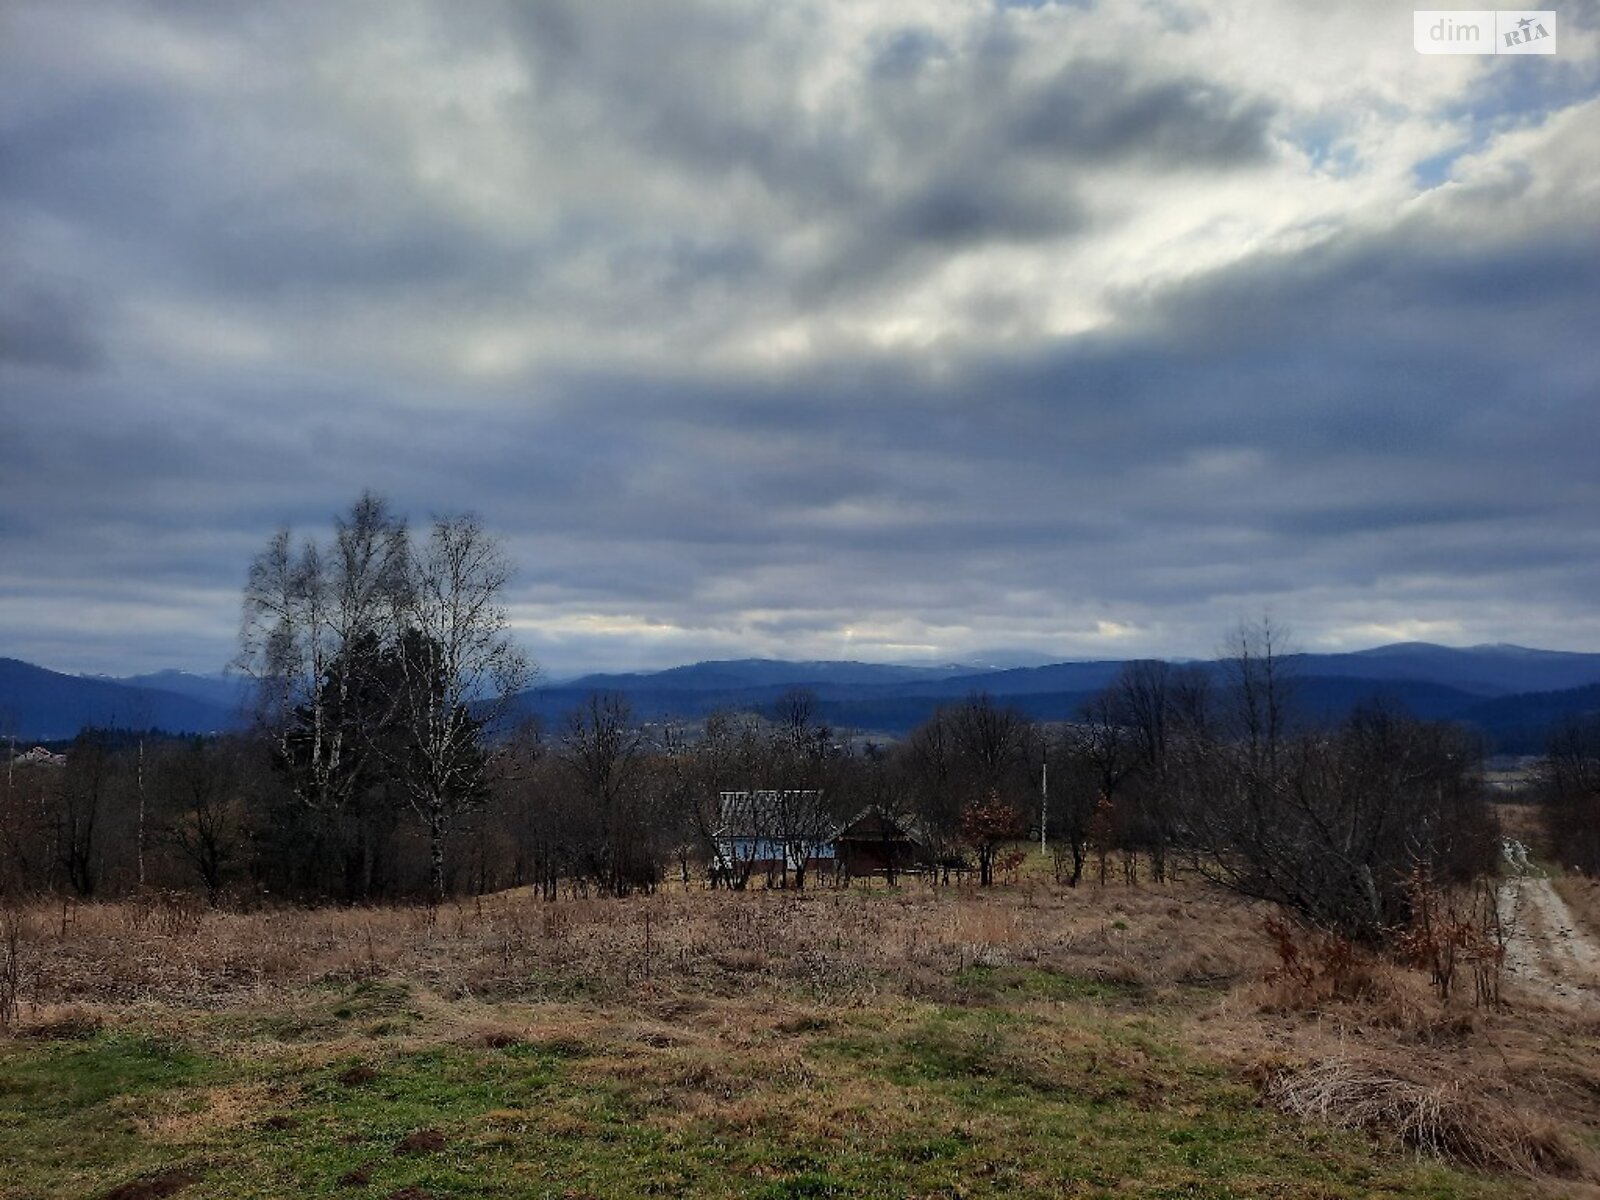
<point x="43" y="326"/>
<point x="935" y="217"/>
<point x="295" y="195"/>
<point x="902" y="167"/>
<point x="905" y="54"/>
<point x="1096" y="111"/>
<point x="690" y="86"/>
<point x="963" y="214"/>
<point x="1306" y="427"/>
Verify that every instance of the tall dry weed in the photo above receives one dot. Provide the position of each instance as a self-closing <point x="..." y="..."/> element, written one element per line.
<point x="1447" y="1119"/>
<point x="14" y="952"/>
<point x="1454" y="928"/>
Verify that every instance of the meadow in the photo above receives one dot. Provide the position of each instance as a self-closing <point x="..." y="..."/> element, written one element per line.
<point x="1026" y="1040"/>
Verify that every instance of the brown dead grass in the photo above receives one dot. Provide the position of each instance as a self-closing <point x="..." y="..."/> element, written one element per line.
<point x="1525" y="822"/>
<point x="1516" y="1090"/>
<point x="843" y="945"/>
<point x="1447" y="1118"/>
<point x="188" y="1116"/>
<point x="61" y="1022"/>
<point x="745" y="977"/>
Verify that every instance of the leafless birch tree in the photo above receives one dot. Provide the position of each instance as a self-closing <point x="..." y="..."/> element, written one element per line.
<point x="458" y="670"/>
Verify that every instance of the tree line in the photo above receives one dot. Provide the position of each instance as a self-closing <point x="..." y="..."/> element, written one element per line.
<point x="385" y="764"/>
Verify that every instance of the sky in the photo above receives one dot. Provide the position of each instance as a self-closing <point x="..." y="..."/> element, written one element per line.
<point x="904" y="331"/>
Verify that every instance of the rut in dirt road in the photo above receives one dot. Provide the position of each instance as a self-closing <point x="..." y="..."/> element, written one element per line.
<point x="1548" y="952"/>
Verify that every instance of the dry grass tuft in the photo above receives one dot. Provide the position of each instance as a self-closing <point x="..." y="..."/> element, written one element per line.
<point x="1441" y="1118"/>
<point x="66" y="1022"/>
<point x="190" y="1116"/>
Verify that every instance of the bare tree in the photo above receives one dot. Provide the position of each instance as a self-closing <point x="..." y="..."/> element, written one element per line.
<point x="1076" y="786"/>
<point x="1570" y="787"/>
<point x="382" y="669"/>
<point x="972" y="757"/>
<point x="27" y="825"/>
<point x="1257" y="666"/>
<point x="82" y="797"/>
<point x="995" y="747"/>
<point x="804" y="780"/>
<point x="1334" y="825"/>
<point x="314" y="617"/>
<point x="458" y="672"/>
<point x="612" y="822"/>
<point x="205" y="818"/>
<point x="1135" y="732"/>
<point x="931" y="762"/>
<point x="800" y="728"/>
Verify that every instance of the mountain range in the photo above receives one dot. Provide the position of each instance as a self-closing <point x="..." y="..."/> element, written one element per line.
<point x="41" y="705"/>
<point x="1513" y="693"/>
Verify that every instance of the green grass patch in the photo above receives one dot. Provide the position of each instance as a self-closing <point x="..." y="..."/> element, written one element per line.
<point x="1039" y="983"/>
<point x="373" y="1008"/>
<point x="1089" y="1103"/>
<point x="68" y="1109"/>
<point x="887" y="1101"/>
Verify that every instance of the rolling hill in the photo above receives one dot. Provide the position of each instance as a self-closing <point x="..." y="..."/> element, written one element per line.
<point x="1512" y="693"/>
<point x="41" y="705"/>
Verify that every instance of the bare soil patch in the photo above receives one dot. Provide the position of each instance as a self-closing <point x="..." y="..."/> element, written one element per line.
<point x="154" y="1187"/>
<point x="423" y="1141"/>
<point x="358" y="1177"/>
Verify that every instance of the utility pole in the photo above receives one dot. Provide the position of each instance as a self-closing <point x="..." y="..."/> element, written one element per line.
<point x="1044" y="803"/>
<point x="141" y="811"/>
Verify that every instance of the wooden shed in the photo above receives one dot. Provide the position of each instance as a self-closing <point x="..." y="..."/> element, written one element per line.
<point x="875" y="843"/>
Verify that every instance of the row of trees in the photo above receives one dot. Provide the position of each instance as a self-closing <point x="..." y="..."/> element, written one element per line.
<point x="382" y="764"/>
<point x="601" y="806"/>
<point x="1162" y="768"/>
<point x="1333" y="822"/>
<point x="126" y="811"/>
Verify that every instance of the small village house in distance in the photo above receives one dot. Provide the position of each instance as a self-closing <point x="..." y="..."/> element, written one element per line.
<point x="788" y="837"/>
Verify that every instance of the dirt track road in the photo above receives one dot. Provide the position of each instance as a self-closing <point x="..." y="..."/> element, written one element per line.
<point x="1548" y="953"/>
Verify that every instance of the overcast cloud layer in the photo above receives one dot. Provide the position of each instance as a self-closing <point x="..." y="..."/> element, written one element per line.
<point x="888" y="331"/>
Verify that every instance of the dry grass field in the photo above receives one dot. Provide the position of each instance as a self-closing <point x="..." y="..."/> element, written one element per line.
<point x="1025" y="1040"/>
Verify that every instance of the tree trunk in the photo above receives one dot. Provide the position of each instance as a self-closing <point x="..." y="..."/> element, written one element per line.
<point x="140" y="781"/>
<point x="436" y="853"/>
